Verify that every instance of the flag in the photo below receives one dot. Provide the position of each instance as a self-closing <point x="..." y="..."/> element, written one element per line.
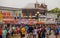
<point x="7" y="14"/>
<point x="1" y="16"/>
<point x="30" y="15"/>
<point x="19" y="15"/>
<point x="23" y="15"/>
<point x="38" y="20"/>
<point x="27" y="15"/>
<point x="16" y="14"/>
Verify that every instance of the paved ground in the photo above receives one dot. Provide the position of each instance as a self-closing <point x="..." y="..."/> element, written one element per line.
<point x="18" y="36"/>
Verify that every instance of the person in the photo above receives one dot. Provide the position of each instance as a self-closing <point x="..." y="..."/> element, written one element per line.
<point x="4" y="33"/>
<point x="39" y="32"/>
<point x="0" y="32"/>
<point x="59" y="30"/>
<point x="47" y="31"/>
<point x="56" y="32"/>
<point x="43" y="32"/>
<point x="30" y="30"/>
<point x="9" y="31"/>
<point x="23" y="31"/>
<point x="17" y="31"/>
<point x="34" y="32"/>
<point x="13" y="30"/>
<point x="8" y="25"/>
<point x="27" y="27"/>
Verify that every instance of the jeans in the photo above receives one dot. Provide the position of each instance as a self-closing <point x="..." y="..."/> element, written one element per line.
<point x="3" y="36"/>
<point x="0" y="36"/>
<point x="43" y="36"/>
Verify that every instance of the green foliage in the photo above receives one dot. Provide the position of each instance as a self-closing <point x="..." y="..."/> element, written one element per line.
<point x="55" y="10"/>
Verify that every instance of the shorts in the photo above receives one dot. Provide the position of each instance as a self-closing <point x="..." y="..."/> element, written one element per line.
<point x="3" y="36"/>
<point x="59" y="31"/>
<point x="34" y="33"/>
<point x="47" y="33"/>
<point x="22" y="35"/>
<point x="56" y="33"/>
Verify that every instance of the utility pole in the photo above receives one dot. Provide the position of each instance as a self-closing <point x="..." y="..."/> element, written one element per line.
<point x="36" y="1"/>
<point x="44" y="1"/>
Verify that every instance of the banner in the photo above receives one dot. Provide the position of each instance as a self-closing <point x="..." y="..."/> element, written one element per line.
<point x="23" y="15"/>
<point x="19" y="15"/>
<point x="7" y="14"/>
<point x="30" y="16"/>
<point x="0" y="16"/>
<point x="16" y="14"/>
<point x="27" y="15"/>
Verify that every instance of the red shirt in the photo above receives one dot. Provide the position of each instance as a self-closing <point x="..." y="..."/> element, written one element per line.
<point x="0" y="32"/>
<point x="16" y="30"/>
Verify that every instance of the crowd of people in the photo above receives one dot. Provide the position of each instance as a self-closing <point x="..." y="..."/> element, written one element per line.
<point x="29" y="30"/>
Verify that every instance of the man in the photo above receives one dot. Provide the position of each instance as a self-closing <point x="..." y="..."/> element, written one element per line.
<point x="27" y="27"/>
<point x="30" y="30"/>
<point x="43" y="32"/>
<point x="56" y="32"/>
<point x="39" y="32"/>
<point x="23" y="31"/>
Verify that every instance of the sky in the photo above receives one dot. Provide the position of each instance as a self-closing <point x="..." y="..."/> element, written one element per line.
<point x="22" y="3"/>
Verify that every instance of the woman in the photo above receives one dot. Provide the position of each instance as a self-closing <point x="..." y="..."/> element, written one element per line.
<point x="4" y="33"/>
<point x="47" y="31"/>
<point x="17" y="31"/>
<point x="34" y="32"/>
<point x="0" y="32"/>
<point x="56" y="32"/>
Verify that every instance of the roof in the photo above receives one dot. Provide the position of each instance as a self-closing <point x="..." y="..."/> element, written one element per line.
<point x="8" y="8"/>
<point x="28" y="6"/>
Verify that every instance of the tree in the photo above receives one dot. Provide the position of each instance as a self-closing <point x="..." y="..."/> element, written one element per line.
<point x="55" y="10"/>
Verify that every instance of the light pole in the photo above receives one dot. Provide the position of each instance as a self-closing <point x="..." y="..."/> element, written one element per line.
<point x="37" y="16"/>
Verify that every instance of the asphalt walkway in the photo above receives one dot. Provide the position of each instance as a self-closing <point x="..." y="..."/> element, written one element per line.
<point x="18" y="36"/>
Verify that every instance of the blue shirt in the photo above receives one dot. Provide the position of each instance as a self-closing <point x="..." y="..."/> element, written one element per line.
<point x="4" y="32"/>
<point x="49" y="28"/>
<point x="26" y="28"/>
<point x="59" y="28"/>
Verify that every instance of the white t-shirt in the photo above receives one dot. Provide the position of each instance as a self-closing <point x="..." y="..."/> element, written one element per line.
<point x="13" y="28"/>
<point x="47" y="31"/>
<point x="35" y="32"/>
<point x="10" y="30"/>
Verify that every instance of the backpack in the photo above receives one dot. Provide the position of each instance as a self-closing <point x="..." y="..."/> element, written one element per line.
<point x="23" y="30"/>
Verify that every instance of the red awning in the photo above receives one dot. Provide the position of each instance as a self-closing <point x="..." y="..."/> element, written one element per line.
<point x="40" y="22"/>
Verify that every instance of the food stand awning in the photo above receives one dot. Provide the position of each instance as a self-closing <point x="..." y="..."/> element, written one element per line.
<point x="50" y="22"/>
<point x="40" y="22"/>
<point x="8" y="20"/>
